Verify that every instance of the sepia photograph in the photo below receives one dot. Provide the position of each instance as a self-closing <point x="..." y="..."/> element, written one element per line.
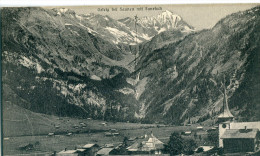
<point x="177" y="79"/>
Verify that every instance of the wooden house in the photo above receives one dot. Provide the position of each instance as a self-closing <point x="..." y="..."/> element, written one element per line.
<point x="106" y="151"/>
<point x="240" y="140"/>
<point x="91" y="149"/>
<point x="67" y="153"/>
<point x="148" y="145"/>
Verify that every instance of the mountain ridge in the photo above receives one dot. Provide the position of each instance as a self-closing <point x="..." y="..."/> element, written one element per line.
<point x="56" y="61"/>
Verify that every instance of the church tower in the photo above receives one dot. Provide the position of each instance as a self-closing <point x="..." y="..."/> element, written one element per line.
<point x="224" y="119"/>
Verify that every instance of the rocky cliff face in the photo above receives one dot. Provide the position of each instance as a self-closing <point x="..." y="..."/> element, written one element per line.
<point x="52" y="64"/>
<point x="58" y="62"/>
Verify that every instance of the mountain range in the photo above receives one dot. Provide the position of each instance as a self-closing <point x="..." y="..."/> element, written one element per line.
<point x="55" y="61"/>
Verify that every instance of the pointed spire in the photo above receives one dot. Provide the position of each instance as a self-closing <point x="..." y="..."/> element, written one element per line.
<point x="226" y="115"/>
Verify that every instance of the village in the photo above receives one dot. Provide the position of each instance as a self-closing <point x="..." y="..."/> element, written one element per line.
<point x="231" y="137"/>
<point x="226" y="137"/>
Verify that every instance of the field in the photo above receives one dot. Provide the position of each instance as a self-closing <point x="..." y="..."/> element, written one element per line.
<point x="22" y="127"/>
<point x="59" y="142"/>
<point x="22" y="122"/>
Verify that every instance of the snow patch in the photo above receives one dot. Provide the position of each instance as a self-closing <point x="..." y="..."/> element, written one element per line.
<point x="140" y="87"/>
<point x="126" y="91"/>
<point x="95" y="77"/>
<point x="116" y="32"/>
<point x="161" y="30"/>
<point x="89" y="30"/>
<point x="30" y="64"/>
<point x="63" y="10"/>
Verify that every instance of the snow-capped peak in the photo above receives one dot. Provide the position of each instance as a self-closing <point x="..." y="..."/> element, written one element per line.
<point x="63" y="10"/>
<point x="167" y="15"/>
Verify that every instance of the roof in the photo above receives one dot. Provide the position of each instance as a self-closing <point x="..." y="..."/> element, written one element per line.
<point x="105" y="151"/>
<point x="205" y="148"/>
<point x="239" y="134"/>
<point x="109" y="145"/>
<point x="152" y="143"/>
<point x="67" y="151"/>
<point x="81" y="150"/>
<point x="226" y="114"/>
<point x="241" y="125"/>
<point x="89" y="145"/>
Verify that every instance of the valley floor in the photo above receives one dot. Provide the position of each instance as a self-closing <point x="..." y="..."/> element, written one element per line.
<point x="22" y="127"/>
<point x="48" y="144"/>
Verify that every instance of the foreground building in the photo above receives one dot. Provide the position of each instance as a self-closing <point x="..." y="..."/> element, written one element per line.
<point x="90" y="149"/>
<point x="106" y="151"/>
<point x="240" y="140"/>
<point x="148" y="145"/>
<point x="237" y="136"/>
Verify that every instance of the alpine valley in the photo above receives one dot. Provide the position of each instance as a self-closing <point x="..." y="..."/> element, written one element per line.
<point x="58" y="62"/>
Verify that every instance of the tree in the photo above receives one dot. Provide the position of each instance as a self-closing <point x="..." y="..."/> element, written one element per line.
<point x="122" y="149"/>
<point x="200" y="137"/>
<point x="125" y="142"/>
<point x="189" y="146"/>
<point x="213" y="137"/>
<point x="200" y="150"/>
<point x="195" y="135"/>
<point x="175" y="144"/>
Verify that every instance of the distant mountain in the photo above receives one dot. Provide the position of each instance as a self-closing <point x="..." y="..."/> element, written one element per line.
<point x="151" y="26"/>
<point x="123" y="31"/>
<point x="57" y="62"/>
<point x="52" y="63"/>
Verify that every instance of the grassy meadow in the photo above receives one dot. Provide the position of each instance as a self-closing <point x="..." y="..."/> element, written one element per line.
<point x="21" y="127"/>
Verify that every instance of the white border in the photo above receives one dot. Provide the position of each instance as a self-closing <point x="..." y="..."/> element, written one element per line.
<point x="10" y="3"/>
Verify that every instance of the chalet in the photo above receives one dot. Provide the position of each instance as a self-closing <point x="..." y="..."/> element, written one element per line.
<point x="240" y="140"/>
<point x="109" y="145"/>
<point x="87" y="150"/>
<point x="116" y="134"/>
<point x="26" y="147"/>
<point x="104" y="124"/>
<point x="113" y="130"/>
<point x="199" y="128"/>
<point x="132" y="139"/>
<point x="82" y="124"/>
<point x="106" y="151"/>
<point x="108" y="134"/>
<point x="68" y="153"/>
<point x="149" y="145"/>
<point x="90" y="149"/>
<point x="187" y="133"/>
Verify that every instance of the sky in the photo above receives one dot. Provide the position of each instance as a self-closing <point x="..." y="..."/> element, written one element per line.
<point x="200" y="16"/>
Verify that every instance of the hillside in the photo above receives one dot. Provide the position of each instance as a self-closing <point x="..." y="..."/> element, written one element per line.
<point x="22" y="122"/>
<point x="59" y="63"/>
<point x="182" y="79"/>
<point x="51" y="64"/>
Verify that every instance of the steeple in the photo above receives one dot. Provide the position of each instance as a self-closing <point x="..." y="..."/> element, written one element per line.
<point x="226" y="114"/>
